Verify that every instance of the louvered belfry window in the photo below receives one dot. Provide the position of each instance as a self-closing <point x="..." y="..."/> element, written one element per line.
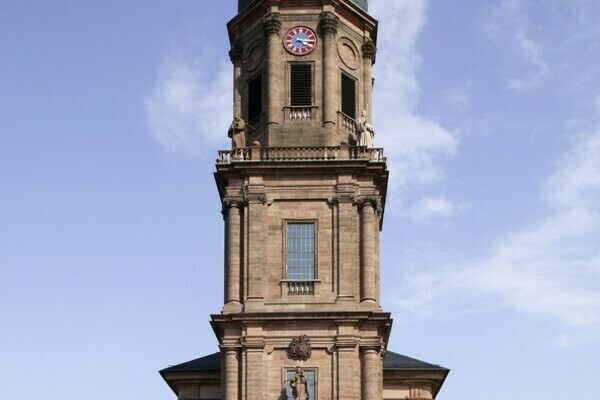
<point x="254" y="98"/>
<point x="301" y="84"/>
<point x="348" y="96"/>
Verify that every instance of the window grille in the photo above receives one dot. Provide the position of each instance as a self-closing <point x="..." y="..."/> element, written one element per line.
<point x="348" y="96"/>
<point x="301" y="81"/>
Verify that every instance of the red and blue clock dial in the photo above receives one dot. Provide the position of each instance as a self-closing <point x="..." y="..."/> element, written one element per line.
<point x="300" y="40"/>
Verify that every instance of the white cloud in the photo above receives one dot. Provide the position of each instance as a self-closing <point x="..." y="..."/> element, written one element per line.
<point x="552" y="266"/>
<point x="458" y="97"/>
<point x="576" y="184"/>
<point x="510" y="22"/>
<point x="190" y="104"/>
<point x="414" y="143"/>
<point x="428" y="208"/>
<point x="532" y="54"/>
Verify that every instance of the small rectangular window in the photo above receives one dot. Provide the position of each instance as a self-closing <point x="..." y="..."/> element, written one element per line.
<point x="301" y="84"/>
<point x="348" y="96"/>
<point x="254" y="98"/>
<point x="300" y="251"/>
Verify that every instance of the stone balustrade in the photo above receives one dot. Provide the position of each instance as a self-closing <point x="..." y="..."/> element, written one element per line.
<point x="296" y="113"/>
<point x="299" y="153"/>
<point x="347" y="123"/>
<point x="253" y="154"/>
<point x="300" y="288"/>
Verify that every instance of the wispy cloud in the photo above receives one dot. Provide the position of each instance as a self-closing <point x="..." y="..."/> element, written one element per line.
<point x="434" y="208"/>
<point x="552" y="266"/>
<point x="458" y="97"/>
<point x="190" y="104"/>
<point x="416" y="144"/>
<point x="509" y="22"/>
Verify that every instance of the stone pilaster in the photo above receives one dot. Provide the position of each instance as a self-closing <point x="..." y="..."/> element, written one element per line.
<point x="346" y="246"/>
<point x="272" y="25"/>
<point x="420" y="390"/>
<point x="236" y="55"/>
<point x="229" y="373"/>
<point x="328" y="23"/>
<point x="254" y="369"/>
<point x="348" y="386"/>
<point x="369" y="51"/>
<point x="371" y="373"/>
<point x="257" y="242"/>
<point x="232" y="210"/>
<point x="368" y="206"/>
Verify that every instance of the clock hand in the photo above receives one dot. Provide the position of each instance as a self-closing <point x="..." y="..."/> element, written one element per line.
<point x="304" y="41"/>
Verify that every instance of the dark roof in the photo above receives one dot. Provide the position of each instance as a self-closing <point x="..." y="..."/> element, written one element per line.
<point x="392" y="361"/>
<point x="211" y="362"/>
<point x="395" y="361"/>
<point x="364" y="4"/>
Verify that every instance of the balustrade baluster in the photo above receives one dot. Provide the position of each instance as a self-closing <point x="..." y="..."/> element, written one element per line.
<point x="300" y="153"/>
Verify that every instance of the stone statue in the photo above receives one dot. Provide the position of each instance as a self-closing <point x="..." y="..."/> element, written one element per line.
<point x="365" y="130"/>
<point x="299" y="384"/>
<point x="237" y="133"/>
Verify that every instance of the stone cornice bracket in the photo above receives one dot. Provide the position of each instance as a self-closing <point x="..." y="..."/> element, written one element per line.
<point x="331" y="349"/>
<point x="253" y="343"/>
<point x="272" y="23"/>
<point x="328" y="22"/>
<point x="256" y="198"/>
<point x="230" y="347"/>
<point x="343" y="342"/>
<point x="342" y="198"/>
<point x="373" y="201"/>
<point x="236" y="53"/>
<point x="369" y="50"/>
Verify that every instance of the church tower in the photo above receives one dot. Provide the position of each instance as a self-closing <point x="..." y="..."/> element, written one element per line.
<point x="303" y="193"/>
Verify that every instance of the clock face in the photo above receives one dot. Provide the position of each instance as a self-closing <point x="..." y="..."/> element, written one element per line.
<point x="300" y="40"/>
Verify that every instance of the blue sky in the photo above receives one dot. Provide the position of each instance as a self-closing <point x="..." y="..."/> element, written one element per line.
<point x="111" y="115"/>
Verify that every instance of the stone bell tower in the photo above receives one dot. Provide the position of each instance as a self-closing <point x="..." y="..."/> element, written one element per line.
<point x="303" y="194"/>
<point x="302" y="70"/>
